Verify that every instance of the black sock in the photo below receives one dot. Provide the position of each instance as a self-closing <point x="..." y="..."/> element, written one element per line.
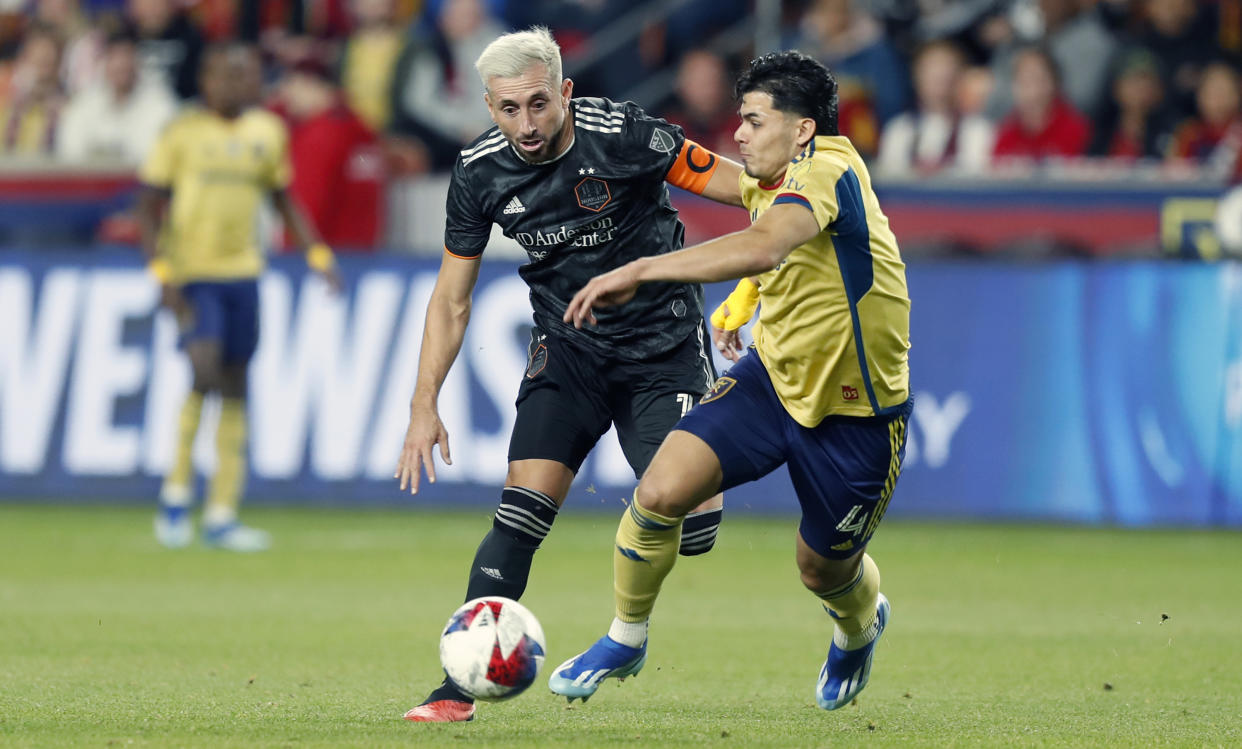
<point x="698" y="532"/>
<point x="446" y="691"/>
<point x="501" y="566"/>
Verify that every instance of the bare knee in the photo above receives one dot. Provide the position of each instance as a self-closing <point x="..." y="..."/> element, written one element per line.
<point x="664" y="497"/>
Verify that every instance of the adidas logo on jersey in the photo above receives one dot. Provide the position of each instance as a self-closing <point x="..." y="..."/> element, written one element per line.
<point x="514" y="206"/>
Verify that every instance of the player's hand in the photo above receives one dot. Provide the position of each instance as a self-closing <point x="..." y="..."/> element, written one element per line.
<point x="612" y="288"/>
<point x="424" y="432"/>
<point x="320" y="258"/>
<point x="174" y="301"/>
<point x="728" y="342"/>
<point x="332" y="278"/>
<point x="734" y="312"/>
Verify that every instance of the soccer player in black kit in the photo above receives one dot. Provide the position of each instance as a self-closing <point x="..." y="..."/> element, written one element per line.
<point x="580" y="185"/>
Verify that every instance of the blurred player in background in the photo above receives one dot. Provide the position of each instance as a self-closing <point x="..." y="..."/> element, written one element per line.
<point x="580" y="184"/>
<point x="211" y="168"/>
<point x="825" y="388"/>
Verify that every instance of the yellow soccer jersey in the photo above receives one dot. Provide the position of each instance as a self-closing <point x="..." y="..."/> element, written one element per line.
<point x="834" y="316"/>
<point x="219" y="172"/>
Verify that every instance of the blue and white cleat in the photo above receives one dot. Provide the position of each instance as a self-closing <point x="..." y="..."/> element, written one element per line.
<point x="236" y="537"/>
<point x="846" y="672"/>
<point x="581" y="675"/>
<point x="173" y="528"/>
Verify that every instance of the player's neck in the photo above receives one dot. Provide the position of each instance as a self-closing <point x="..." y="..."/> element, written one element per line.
<point x="775" y="182"/>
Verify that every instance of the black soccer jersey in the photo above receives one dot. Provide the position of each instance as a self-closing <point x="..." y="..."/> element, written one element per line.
<point x="598" y="206"/>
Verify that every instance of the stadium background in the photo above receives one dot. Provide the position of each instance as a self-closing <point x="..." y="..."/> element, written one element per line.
<point x="1077" y="319"/>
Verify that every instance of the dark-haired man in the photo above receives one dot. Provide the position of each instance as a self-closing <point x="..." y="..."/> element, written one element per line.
<point x="825" y="388"/>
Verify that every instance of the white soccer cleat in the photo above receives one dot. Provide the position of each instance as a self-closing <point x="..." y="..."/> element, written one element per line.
<point x="236" y="537"/>
<point x="173" y="527"/>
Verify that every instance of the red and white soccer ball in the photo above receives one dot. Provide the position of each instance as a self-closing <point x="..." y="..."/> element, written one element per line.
<point x="492" y="648"/>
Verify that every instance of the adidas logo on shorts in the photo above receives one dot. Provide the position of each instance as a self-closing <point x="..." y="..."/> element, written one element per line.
<point x="514" y="206"/>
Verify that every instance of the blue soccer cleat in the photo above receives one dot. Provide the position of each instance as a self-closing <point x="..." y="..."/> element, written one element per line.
<point x="236" y="537"/>
<point x="846" y="672"/>
<point x="581" y="675"/>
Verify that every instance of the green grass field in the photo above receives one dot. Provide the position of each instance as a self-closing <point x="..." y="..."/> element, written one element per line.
<point x="1000" y="635"/>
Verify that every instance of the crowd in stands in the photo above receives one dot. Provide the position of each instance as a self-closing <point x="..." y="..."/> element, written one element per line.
<point x="387" y="87"/>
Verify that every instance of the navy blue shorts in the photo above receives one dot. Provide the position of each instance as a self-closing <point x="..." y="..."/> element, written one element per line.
<point x="224" y="311"/>
<point x="843" y="470"/>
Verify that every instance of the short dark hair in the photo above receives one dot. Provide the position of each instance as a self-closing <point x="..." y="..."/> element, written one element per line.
<point x="798" y="84"/>
<point x="226" y="47"/>
<point x="121" y="35"/>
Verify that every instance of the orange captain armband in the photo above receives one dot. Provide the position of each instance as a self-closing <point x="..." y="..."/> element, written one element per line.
<point x="693" y="168"/>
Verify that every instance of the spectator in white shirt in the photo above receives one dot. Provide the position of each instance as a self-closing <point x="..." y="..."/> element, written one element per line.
<point x="937" y="134"/>
<point x="117" y="120"/>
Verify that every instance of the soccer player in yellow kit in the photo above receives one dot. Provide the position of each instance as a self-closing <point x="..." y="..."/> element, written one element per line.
<point x="211" y="168"/>
<point x="825" y="389"/>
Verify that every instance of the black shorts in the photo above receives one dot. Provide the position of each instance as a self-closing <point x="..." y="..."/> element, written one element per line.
<point x="570" y="395"/>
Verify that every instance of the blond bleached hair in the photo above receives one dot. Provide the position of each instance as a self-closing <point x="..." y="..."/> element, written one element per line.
<point x="511" y="55"/>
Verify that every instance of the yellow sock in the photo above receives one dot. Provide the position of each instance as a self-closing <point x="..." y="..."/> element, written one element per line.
<point x="182" y="472"/>
<point x="645" y="552"/>
<point x="852" y="606"/>
<point x="226" y="485"/>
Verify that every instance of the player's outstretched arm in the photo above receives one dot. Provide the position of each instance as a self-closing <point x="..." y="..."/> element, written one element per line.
<point x="448" y="313"/>
<point x="318" y="255"/>
<point x="749" y="252"/>
<point x="702" y="172"/>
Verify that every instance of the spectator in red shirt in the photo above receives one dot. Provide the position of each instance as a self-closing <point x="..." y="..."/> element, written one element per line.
<point x="1213" y="139"/>
<point x="337" y="164"/>
<point x="1042" y="123"/>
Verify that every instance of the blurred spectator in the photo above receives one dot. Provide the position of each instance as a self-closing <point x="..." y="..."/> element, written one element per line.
<point x="1075" y="36"/>
<point x="1181" y="35"/>
<point x="438" y="96"/>
<point x="169" y="45"/>
<point x="1213" y="139"/>
<point x="1042" y="124"/>
<point x="1136" y="126"/>
<point x="119" y="117"/>
<point x="704" y="105"/>
<point x="32" y="105"/>
<point x="852" y="45"/>
<point x="82" y="42"/>
<point x="369" y="59"/>
<point x="938" y="133"/>
<point x="337" y="165"/>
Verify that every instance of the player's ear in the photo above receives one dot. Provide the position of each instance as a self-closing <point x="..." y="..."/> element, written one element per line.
<point x="567" y="89"/>
<point x="806" y="131"/>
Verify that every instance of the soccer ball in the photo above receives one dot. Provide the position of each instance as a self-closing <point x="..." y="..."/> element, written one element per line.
<point x="492" y="648"/>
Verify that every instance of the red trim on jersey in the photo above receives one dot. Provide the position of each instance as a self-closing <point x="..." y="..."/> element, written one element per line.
<point x="779" y="181"/>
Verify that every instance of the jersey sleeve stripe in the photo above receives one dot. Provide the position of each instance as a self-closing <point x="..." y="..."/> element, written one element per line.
<point x="789" y="197"/>
<point x="490" y="149"/>
<point x="593" y="128"/>
<point x="600" y="112"/>
<point x="490" y="141"/>
<point x="599" y="120"/>
<point x="462" y="257"/>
